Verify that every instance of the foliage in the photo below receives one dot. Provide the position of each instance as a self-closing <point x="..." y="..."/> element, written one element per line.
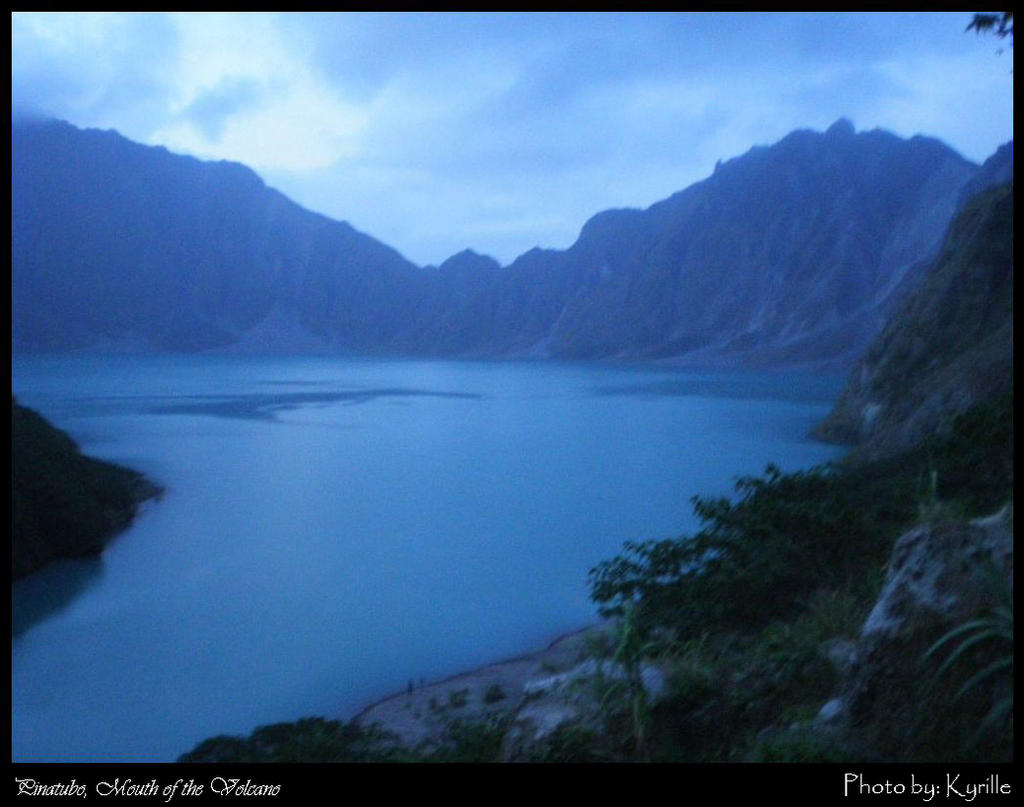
<point x="995" y="629"/>
<point x="692" y="672"/>
<point x="974" y="460"/>
<point x="319" y="740"/>
<point x="798" y="746"/>
<point x="629" y="694"/>
<point x="725" y="689"/>
<point x="754" y="559"/>
<point x="999" y="23"/>
<point x="749" y="603"/>
<point x="918" y="715"/>
<point x="308" y="740"/>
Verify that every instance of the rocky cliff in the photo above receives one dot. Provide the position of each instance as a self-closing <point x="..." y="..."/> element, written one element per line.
<point x="950" y="345"/>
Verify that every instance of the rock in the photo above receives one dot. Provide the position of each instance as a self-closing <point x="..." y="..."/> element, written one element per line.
<point x="939" y="571"/>
<point x="840" y="653"/>
<point x="562" y="681"/>
<point x="891" y="697"/>
<point x="831" y="711"/>
<point x="570" y="698"/>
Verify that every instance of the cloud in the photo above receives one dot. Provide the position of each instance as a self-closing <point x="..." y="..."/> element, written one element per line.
<point x="211" y="108"/>
<point x="89" y="67"/>
<point x="923" y="104"/>
<point x="246" y="92"/>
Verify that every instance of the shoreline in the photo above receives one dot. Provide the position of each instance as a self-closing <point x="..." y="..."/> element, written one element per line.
<point x="417" y="714"/>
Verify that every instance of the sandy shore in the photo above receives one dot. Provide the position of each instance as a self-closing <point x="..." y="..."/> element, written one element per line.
<point x="417" y="714"/>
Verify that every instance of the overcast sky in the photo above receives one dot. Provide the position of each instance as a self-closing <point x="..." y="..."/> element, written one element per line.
<point x="436" y="132"/>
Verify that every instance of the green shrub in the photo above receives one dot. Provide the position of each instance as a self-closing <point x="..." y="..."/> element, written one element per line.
<point x="975" y="459"/>
<point x="754" y="560"/>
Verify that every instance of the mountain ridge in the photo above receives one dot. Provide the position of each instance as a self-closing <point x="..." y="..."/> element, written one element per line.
<point x="793" y="252"/>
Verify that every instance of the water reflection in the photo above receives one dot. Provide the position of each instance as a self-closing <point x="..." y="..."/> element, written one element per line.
<point x="42" y="595"/>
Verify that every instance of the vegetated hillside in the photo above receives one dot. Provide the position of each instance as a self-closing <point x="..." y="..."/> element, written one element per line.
<point x="949" y="347"/>
<point x="64" y="504"/>
<point x="791" y="253"/>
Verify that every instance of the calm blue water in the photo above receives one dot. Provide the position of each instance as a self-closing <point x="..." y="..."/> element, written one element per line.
<point x="334" y="528"/>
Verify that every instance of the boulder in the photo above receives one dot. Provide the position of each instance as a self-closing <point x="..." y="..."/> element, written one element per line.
<point x="894" y="697"/>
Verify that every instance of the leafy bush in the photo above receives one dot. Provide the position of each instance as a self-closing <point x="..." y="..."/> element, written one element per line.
<point x="975" y="459"/>
<point x="754" y="560"/>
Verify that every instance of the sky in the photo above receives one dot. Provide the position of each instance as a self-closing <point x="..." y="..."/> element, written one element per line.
<point x="437" y="132"/>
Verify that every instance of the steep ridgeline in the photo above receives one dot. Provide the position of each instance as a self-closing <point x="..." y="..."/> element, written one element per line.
<point x="794" y="252"/>
<point x="63" y="504"/>
<point x="950" y="345"/>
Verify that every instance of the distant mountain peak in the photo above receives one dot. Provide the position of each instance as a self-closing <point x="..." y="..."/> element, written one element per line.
<point x="469" y="260"/>
<point x="841" y="128"/>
